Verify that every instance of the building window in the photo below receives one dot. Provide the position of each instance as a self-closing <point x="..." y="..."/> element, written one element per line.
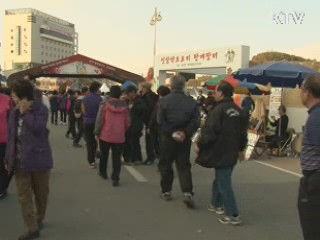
<point x="11" y="51"/>
<point x="25" y="29"/>
<point x="41" y="53"/>
<point x="50" y="54"/>
<point x="11" y="44"/>
<point x="12" y="30"/>
<point x="12" y="37"/>
<point x="42" y="61"/>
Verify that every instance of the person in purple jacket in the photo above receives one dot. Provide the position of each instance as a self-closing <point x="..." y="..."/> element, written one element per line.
<point x="29" y="155"/>
<point x="90" y="107"/>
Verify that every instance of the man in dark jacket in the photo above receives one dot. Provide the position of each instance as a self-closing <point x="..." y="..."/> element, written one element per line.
<point x="70" y="110"/>
<point x="150" y="99"/>
<point x="79" y="116"/>
<point x="54" y="106"/>
<point x="138" y="109"/>
<point x="63" y="98"/>
<point x="178" y="119"/>
<point x="222" y="138"/>
<point x="90" y="107"/>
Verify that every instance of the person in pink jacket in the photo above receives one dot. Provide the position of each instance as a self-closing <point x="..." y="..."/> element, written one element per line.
<point x="5" y="106"/>
<point x="110" y="129"/>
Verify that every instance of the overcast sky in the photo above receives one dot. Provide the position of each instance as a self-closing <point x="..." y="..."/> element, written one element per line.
<point x="118" y="32"/>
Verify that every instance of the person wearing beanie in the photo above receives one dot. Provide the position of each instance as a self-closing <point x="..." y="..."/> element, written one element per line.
<point x="110" y="129"/>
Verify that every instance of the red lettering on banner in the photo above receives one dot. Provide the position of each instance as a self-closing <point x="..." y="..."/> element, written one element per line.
<point x="182" y="59"/>
<point x="202" y="56"/>
<point x="177" y="59"/>
<point x="215" y="55"/>
<point x="167" y="60"/>
<point x="162" y="60"/>
<point x="208" y="55"/>
<point x="196" y="56"/>
<point x="172" y="59"/>
<point x="188" y="58"/>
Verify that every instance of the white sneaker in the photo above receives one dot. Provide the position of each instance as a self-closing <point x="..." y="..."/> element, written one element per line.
<point x="231" y="220"/>
<point x="188" y="200"/>
<point x="92" y="165"/>
<point x="217" y="210"/>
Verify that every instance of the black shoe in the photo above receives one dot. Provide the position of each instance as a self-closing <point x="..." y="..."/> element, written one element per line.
<point x="29" y="235"/>
<point x="126" y="163"/>
<point x="148" y="162"/>
<point x="115" y="183"/>
<point x="102" y="175"/>
<point x="138" y="163"/>
<point x="77" y="145"/>
<point x="3" y="195"/>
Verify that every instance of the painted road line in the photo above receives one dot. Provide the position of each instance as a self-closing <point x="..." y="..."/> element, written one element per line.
<point x="138" y="176"/>
<point x="278" y="168"/>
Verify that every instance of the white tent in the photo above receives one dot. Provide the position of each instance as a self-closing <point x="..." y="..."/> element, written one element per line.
<point x="104" y="88"/>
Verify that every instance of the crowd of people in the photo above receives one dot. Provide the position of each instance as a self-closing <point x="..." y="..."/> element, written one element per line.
<point x="168" y="119"/>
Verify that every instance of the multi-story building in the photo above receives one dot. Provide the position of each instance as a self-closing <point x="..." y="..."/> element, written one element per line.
<point x="33" y="38"/>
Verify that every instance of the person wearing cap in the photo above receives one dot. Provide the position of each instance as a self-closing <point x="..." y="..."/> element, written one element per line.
<point x="178" y="119"/>
<point x="138" y="109"/>
<point x="151" y="100"/>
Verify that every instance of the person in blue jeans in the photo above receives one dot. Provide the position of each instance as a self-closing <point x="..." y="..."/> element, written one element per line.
<point x="222" y="138"/>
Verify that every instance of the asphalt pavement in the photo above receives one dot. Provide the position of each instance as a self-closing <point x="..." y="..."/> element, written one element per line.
<point x="82" y="206"/>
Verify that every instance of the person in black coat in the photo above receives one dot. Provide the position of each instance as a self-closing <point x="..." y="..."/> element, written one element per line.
<point x="150" y="99"/>
<point x="70" y="111"/>
<point x="152" y="124"/>
<point x="281" y="125"/>
<point x="79" y="115"/>
<point x="138" y="110"/>
<point x="54" y="106"/>
<point x="178" y="119"/>
<point x="222" y="138"/>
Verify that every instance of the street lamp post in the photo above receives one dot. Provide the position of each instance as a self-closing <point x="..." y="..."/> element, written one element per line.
<point x="155" y="18"/>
